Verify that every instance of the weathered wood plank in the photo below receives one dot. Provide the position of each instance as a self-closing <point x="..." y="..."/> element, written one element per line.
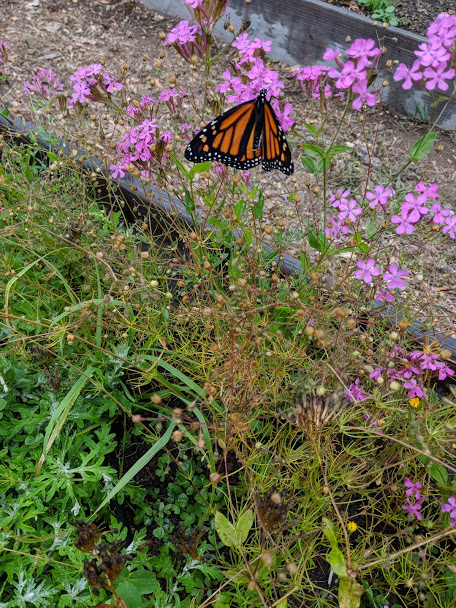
<point x="301" y="30"/>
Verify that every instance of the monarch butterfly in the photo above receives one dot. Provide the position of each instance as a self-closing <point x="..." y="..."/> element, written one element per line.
<point x="244" y="137"/>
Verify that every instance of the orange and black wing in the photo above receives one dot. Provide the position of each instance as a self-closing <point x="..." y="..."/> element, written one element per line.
<point x="243" y="137"/>
<point x="275" y="151"/>
<point x="229" y="139"/>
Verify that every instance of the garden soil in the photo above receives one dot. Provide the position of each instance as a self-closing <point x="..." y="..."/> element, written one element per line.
<point x="64" y="35"/>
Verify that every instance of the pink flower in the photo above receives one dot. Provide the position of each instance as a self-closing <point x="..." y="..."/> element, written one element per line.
<point x="439" y="213"/>
<point x="336" y="229"/>
<point x="414" y="389"/>
<point x="436" y="77"/>
<point x="450" y="507"/>
<point x="414" y="509"/>
<point x="412" y="488"/>
<point x="393" y="276"/>
<point x="432" y="55"/>
<point x="355" y="392"/>
<point x="349" y="209"/>
<point x="430" y="191"/>
<point x="362" y="48"/>
<point x="380" y="197"/>
<point x="414" y="209"/>
<point x="340" y="196"/>
<point x="365" y="96"/>
<point x="367" y="270"/>
<point x="384" y="295"/>
<point x="450" y="226"/>
<point x="410" y="75"/>
<point x="405" y="224"/>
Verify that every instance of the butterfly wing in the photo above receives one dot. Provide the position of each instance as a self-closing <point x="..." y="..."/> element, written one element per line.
<point x="233" y="138"/>
<point x="275" y="151"/>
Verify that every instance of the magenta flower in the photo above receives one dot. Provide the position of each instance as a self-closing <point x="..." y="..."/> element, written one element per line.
<point x="414" y="389"/>
<point x="414" y="509"/>
<point x="336" y="228"/>
<point x="367" y="270"/>
<point x="430" y="191"/>
<point x="182" y="33"/>
<point x="167" y="137"/>
<point x="414" y="209"/>
<point x="393" y="276"/>
<point x="432" y="55"/>
<point x="380" y="197"/>
<point x="384" y="295"/>
<point x="44" y="85"/>
<point x="193" y="3"/>
<point x="362" y="48"/>
<point x="405" y="224"/>
<point x="450" y="226"/>
<point x="340" y="196"/>
<point x="412" y="488"/>
<point x="377" y="373"/>
<point x="436" y="77"/>
<point x="410" y="75"/>
<point x="444" y="371"/>
<point x="450" y="507"/>
<point x="355" y="392"/>
<point x="332" y="55"/>
<point x="349" y="209"/>
<point x="439" y="213"/>
<point x="364" y="95"/>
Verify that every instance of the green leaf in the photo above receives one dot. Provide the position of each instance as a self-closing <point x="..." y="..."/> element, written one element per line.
<point x="338" y="150"/>
<point x="336" y="557"/>
<point x="60" y="414"/>
<point x="318" y="241"/>
<point x="243" y="526"/>
<point x="439" y="474"/>
<point x="423" y="146"/>
<point x="225" y="530"/>
<point x="189" y="202"/>
<point x="350" y="593"/>
<point x="181" y="167"/>
<point x="311" y="128"/>
<point x="139" y="583"/>
<point x="200" y="168"/>
<point x="258" y="207"/>
<point x="315" y="151"/>
<point x="309" y="165"/>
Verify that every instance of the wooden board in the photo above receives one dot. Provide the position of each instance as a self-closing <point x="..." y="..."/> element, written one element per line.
<point x="301" y="30"/>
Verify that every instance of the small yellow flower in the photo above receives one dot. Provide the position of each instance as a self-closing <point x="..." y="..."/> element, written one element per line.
<point x="351" y="526"/>
<point x="414" y="402"/>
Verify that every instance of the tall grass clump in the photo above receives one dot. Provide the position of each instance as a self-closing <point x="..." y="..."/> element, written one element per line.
<point x="224" y="365"/>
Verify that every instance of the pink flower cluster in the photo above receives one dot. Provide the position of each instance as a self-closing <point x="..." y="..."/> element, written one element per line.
<point x="44" y="85"/>
<point x="173" y="98"/>
<point x="415" y="369"/>
<point x="137" y="149"/>
<point x="348" y="211"/>
<point x="353" y="75"/>
<point x="252" y="76"/>
<point x="413" y="490"/>
<point x="434" y="57"/>
<point x="187" y="39"/>
<point x="90" y="83"/>
<point x="393" y="278"/>
<point x="312" y="80"/>
<point x="415" y="208"/>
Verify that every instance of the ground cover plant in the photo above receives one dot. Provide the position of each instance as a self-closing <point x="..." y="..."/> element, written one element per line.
<point x="255" y="437"/>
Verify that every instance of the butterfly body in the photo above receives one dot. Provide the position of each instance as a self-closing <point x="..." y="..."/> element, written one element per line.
<point x="243" y="137"/>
